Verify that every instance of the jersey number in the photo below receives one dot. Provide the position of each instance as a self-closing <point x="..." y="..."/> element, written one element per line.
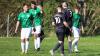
<point x="57" y="20"/>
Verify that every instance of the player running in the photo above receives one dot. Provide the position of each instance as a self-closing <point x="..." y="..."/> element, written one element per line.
<point x="68" y="17"/>
<point x="37" y="15"/>
<point x="76" y="30"/>
<point x="59" y="22"/>
<point x="24" y="18"/>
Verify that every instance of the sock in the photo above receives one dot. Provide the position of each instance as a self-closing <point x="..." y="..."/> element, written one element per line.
<point x="70" y="46"/>
<point x="56" y="47"/>
<point x="35" y="43"/>
<point x="27" y="44"/>
<point x="38" y="42"/>
<point x="76" y="45"/>
<point x="75" y="42"/>
<point x="22" y="46"/>
<point x="62" y="48"/>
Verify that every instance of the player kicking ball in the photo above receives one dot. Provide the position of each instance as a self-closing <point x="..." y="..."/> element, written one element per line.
<point x="59" y="22"/>
<point x="24" y="18"/>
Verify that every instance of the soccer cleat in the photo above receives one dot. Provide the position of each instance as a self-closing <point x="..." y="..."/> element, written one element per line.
<point x="62" y="55"/>
<point x="38" y="49"/>
<point x="52" y="52"/>
<point x="22" y="53"/>
<point x="76" y="50"/>
<point x="25" y="52"/>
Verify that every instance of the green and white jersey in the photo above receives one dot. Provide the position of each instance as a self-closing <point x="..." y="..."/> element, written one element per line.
<point x="25" y="19"/>
<point x="76" y="20"/>
<point x="37" y="16"/>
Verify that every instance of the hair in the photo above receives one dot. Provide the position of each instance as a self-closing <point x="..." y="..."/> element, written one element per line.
<point x="59" y="6"/>
<point x="76" y="7"/>
<point x="65" y="3"/>
<point x="33" y="2"/>
<point x="25" y="4"/>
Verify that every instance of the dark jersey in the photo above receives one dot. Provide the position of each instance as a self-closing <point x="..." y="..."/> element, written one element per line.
<point x="58" y="19"/>
<point x="68" y="16"/>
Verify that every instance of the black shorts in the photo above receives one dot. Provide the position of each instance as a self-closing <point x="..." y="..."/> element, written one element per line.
<point x="60" y="35"/>
<point x="68" y="32"/>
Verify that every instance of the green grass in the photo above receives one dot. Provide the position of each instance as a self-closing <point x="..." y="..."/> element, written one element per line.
<point x="88" y="46"/>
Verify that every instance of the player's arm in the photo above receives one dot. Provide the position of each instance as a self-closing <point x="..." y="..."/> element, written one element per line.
<point x="17" y="25"/>
<point x="65" y="23"/>
<point x="53" y="21"/>
<point x="40" y="8"/>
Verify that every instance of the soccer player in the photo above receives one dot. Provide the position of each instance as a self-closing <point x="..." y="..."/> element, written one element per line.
<point x="24" y="18"/>
<point x="68" y="16"/>
<point x="36" y="12"/>
<point x="76" y="30"/>
<point x="40" y="5"/>
<point x="59" y="22"/>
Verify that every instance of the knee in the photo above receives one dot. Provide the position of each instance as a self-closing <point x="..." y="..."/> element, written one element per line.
<point x="60" y="42"/>
<point x="77" y="38"/>
<point x="23" y="40"/>
<point x="27" y="39"/>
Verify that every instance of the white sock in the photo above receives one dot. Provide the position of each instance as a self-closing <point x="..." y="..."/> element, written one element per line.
<point x="75" y="43"/>
<point x="26" y="46"/>
<point x="23" y="46"/>
<point x="38" y="42"/>
<point x="35" y="43"/>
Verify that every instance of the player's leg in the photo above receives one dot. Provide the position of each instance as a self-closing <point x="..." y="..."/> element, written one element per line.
<point x="68" y="33"/>
<point x="23" y="40"/>
<point x="37" y="32"/>
<point x="41" y="36"/>
<point x="28" y="30"/>
<point x="70" y="44"/>
<point x="76" y="38"/>
<point x="60" y="43"/>
<point x="35" y="37"/>
<point x="35" y="41"/>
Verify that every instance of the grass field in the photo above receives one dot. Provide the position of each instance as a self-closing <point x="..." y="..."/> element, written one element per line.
<point x="88" y="46"/>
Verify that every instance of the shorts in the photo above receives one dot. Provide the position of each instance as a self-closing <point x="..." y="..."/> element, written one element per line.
<point x="25" y="32"/>
<point x="60" y="35"/>
<point x="76" y="31"/>
<point x="37" y="29"/>
<point x="67" y="32"/>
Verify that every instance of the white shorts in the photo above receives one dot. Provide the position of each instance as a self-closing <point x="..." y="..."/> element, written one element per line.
<point x="38" y="29"/>
<point x="76" y="31"/>
<point x="25" y="32"/>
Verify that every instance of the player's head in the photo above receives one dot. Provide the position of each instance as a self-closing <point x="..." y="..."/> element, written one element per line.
<point x="59" y="8"/>
<point x="76" y="9"/>
<point x="33" y="4"/>
<point x="25" y="7"/>
<point x="64" y="5"/>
